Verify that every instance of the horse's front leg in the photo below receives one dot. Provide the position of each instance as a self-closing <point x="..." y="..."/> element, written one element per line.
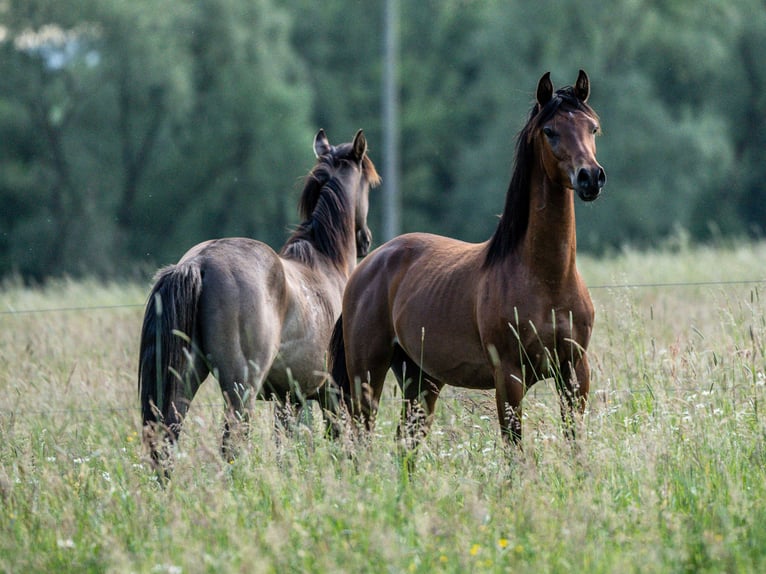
<point x="573" y="386"/>
<point x="509" y="392"/>
<point x="329" y="397"/>
<point x="417" y="411"/>
<point x="290" y="414"/>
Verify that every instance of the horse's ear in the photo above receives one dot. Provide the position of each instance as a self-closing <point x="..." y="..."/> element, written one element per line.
<point x="321" y="144"/>
<point x="582" y="87"/>
<point x="544" y="90"/>
<point x="359" y="145"/>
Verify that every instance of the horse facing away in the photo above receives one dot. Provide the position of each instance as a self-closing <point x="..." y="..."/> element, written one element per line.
<point x="501" y="314"/>
<point x="258" y="320"/>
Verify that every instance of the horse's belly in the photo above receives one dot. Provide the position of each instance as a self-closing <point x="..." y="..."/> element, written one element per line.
<point x="458" y="371"/>
<point x="297" y="370"/>
<point x="469" y="377"/>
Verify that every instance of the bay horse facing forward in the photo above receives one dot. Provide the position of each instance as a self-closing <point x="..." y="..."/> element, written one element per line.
<point x="501" y="314"/>
<point x="258" y="320"/>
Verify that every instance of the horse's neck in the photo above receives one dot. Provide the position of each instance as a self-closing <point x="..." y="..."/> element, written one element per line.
<point x="339" y="269"/>
<point x="337" y="249"/>
<point x="550" y="243"/>
<point x="349" y="265"/>
<point x="349" y="261"/>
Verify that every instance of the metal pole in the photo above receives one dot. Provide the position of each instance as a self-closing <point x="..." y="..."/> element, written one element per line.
<point x="391" y="205"/>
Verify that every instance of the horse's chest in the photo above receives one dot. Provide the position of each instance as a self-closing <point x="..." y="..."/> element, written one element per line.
<point x="553" y="334"/>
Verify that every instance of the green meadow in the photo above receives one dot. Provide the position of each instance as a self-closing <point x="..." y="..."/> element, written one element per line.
<point x="668" y="473"/>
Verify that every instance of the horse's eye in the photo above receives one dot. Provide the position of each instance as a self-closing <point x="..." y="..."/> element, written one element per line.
<point x="595" y="130"/>
<point x="549" y="132"/>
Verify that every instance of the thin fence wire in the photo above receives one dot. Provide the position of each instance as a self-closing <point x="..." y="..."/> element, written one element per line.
<point x="70" y="309"/>
<point x="681" y="284"/>
<point x="544" y="390"/>
<point x="720" y="283"/>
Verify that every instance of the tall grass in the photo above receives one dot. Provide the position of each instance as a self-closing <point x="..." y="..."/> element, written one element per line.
<point x="668" y="472"/>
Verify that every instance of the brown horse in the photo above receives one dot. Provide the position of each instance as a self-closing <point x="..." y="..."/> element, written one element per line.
<point x="258" y="320"/>
<point x="501" y="314"/>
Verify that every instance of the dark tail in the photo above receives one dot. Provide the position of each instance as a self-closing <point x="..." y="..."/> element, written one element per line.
<point x="335" y="394"/>
<point x="164" y="355"/>
<point x="337" y="364"/>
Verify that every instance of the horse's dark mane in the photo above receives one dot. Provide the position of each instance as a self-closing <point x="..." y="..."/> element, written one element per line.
<point x="515" y="218"/>
<point x="323" y="205"/>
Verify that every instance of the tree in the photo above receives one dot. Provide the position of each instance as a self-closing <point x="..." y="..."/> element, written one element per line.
<point x="143" y="127"/>
<point x="131" y="130"/>
<point x="665" y="143"/>
<point x="244" y="141"/>
<point x="341" y="44"/>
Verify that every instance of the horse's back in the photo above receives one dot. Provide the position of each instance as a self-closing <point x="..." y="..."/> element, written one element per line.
<point x="238" y="275"/>
<point x="425" y="259"/>
<point x="426" y="254"/>
<point x="230" y="251"/>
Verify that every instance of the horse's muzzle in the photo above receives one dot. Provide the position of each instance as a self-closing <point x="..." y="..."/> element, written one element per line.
<point x="363" y="241"/>
<point x="588" y="182"/>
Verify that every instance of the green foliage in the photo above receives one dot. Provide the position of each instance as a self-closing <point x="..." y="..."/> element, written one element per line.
<point x="146" y="130"/>
<point x="131" y="130"/>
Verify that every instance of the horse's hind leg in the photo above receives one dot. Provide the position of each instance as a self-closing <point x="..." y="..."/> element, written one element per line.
<point x="288" y="411"/>
<point x="573" y="387"/>
<point x="241" y="382"/>
<point x="366" y="362"/>
<point x="181" y="392"/>
<point x="420" y="394"/>
<point x="285" y="417"/>
<point x="238" y="398"/>
<point x="292" y="420"/>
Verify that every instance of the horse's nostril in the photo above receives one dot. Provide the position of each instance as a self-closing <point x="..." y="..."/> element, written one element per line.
<point x="587" y="178"/>
<point x="583" y="178"/>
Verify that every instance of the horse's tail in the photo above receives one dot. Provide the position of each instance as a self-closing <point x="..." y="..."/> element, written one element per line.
<point x="166" y="336"/>
<point x="335" y="395"/>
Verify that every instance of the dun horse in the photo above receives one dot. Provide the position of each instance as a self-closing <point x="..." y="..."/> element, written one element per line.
<point x="499" y="315"/>
<point x="258" y="320"/>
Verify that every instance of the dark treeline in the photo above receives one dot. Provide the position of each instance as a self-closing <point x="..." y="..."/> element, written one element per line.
<point x="131" y="130"/>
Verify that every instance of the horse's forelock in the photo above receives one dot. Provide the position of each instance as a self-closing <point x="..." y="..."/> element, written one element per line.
<point x="563" y="100"/>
